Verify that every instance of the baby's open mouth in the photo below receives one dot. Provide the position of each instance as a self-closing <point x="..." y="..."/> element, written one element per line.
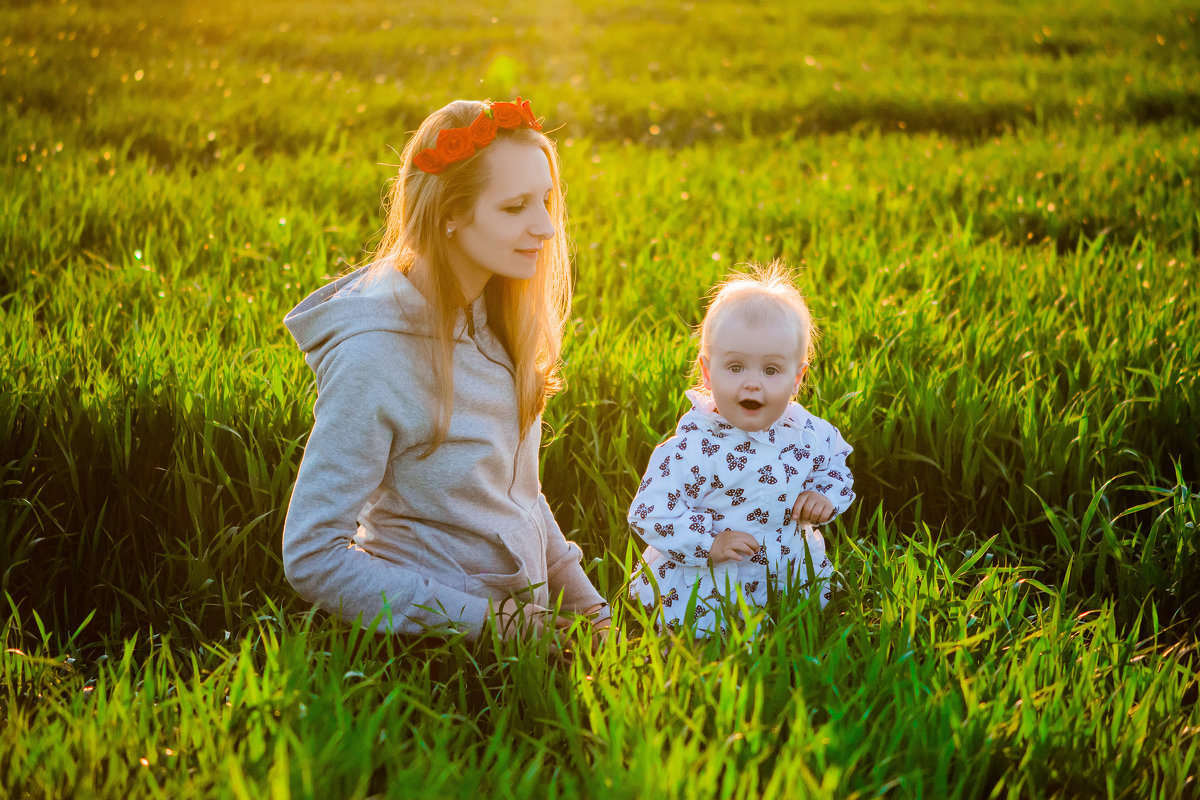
<point x="750" y="405"/>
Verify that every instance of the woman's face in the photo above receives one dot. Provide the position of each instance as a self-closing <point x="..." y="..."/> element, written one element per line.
<point x="503" y="233"/>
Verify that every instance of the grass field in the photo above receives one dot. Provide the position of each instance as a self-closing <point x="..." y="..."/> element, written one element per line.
<point x="996" y="214"/>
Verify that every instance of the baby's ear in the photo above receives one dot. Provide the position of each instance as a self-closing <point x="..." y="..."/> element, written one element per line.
<point x="704" y="373"/>
<point x="800" y="376"/>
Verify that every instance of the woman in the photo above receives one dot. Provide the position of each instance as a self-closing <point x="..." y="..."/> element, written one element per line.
<point x="418" y="503"/>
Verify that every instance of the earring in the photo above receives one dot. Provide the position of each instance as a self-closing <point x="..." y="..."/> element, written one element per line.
<point x="449" y="231"/>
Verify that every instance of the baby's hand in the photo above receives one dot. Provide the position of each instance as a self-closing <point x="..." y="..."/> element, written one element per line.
<point x="812" y="508"/>
<point x="732" y="546"/>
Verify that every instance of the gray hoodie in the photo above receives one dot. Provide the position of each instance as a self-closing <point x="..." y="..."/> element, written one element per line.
<point x="373" y="530"/>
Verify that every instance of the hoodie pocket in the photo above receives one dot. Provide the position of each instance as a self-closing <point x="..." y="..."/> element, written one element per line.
<point x="513" y="553"/>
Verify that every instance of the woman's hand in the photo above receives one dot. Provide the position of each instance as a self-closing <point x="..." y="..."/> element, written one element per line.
<point x="732" y="546"/>
<point x="812" y="508"/>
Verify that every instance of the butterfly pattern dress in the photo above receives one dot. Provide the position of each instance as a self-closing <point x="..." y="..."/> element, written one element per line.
<point x="712" y="476"/>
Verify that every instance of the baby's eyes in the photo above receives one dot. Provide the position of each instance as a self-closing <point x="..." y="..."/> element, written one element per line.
<point x="771" y="371"/>
<point x="735" y="369"/>
<point x="515" y="209"/>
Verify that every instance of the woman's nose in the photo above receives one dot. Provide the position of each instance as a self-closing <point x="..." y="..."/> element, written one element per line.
<point x="543" y="226"/>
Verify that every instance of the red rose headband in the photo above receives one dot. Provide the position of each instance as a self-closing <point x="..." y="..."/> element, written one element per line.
<point x="456" y="144"/>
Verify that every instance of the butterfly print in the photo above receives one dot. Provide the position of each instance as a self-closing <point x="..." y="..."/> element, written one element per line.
<point x="717" y="516"/>
<point x="824" y="563"/>
<point x="663" y="530"/>
<point x="682" y="444"/>
<point x="782" y="498"/>
<point x="708" y="448"/>
<point x="693" y="489"/>
<point x="724" y="426"/>
<point x="716" y="483"/>
<point x="669" y="599"/>
<point x="678" y="556"/>
<point x="837" y="476"/>
<point x="787" y="516"/>
<point x="789" y="471"/>
<point x="688" y="427"/>
<point x="808" y="426"/>
<point x="751" y="587"/>
<point x="784" y="549"/>
<point x="644" y="484"/>
<point x="757" y="515"/>
<point x="673" y="500"/>
<point x="765" y="475"/>
<point x="700" y="552"/>
<point x="735" y="463"/>
<point x="818" y="462"/>
<point x="771" y="436"/>
<point x="736" y="494"/>
<point x="744" y="447"/>
<point x="760" y="557"/>
<point x="644" y="510"/>
<point x="665" y="467"/>
<point x="698" y="525"/>
<point x="846" y="491"/>
<point x="663" y="567"/>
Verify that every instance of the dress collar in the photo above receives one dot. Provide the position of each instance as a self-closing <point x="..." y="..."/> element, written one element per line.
<point x="787" y="429"/>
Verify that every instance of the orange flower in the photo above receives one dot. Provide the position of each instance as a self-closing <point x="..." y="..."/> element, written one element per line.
<point x="454" y="144"/>
<point x="482" y="130"/>
<point x="507" y="115"/>
<point x="457" y="144"/>
<point x="429" y="161"/>
<point x="527" y="113"/>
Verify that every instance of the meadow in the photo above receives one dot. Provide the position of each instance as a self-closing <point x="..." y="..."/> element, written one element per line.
<point x="995" y="211"/>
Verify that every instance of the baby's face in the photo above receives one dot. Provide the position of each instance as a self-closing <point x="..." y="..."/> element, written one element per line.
<point x="752" y="370"/>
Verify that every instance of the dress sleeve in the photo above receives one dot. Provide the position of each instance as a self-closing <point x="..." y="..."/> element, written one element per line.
<point x="565" y="574"/>
<point x="344" y="463"/>
<point x="830" y="476"/>
<point x="662" y="513"/>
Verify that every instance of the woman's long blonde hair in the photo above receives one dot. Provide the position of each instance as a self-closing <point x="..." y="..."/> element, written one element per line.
<point x="527" y="316"/>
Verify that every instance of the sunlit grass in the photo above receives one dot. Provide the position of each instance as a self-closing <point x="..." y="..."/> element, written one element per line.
<point x="994" y="212"/>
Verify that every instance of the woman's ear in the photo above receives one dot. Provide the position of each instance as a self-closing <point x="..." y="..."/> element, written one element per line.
<point x="704" y="373"/>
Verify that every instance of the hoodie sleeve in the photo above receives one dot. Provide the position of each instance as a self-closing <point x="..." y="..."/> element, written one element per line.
<point x="830" y="476"/>
<point x="565" y="573"/>
<point x="661" y="512"/>
<point x="344" y="463"/>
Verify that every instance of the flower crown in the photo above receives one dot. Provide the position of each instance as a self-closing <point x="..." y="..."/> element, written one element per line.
<point x="456" y="144"/>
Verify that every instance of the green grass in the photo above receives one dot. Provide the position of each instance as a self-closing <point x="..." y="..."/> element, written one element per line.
<point x="995" y="211"/>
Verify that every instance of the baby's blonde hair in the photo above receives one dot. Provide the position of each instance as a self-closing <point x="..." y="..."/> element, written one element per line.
<point x="761" y="293"/>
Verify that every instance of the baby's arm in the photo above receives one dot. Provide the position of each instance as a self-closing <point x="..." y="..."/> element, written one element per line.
<point x="827" y="491"/>
<point x="662" y="513"/>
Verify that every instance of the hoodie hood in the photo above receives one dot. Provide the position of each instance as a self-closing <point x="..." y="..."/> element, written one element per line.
<point x="352" y="305"/>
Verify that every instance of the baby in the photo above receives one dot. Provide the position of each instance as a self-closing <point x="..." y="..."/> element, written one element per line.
<point x="731" y="497"/>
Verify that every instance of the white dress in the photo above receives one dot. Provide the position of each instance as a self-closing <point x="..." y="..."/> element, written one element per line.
<point x="712" y="476"/>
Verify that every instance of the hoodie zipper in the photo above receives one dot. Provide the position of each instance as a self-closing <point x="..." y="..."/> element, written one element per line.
<point x="512" y="481"/>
